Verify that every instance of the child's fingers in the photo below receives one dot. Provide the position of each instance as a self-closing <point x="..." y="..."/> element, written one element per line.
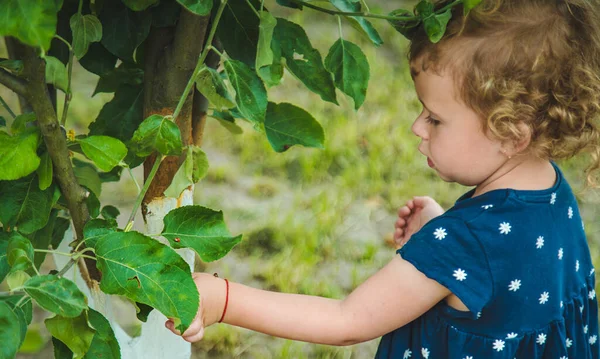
<point x="404" y="212"/>
<point x="196" y="337"/>
<point x="400" y="223"/>
<point x="169" y="324"/>
<point x="193" y="329"/>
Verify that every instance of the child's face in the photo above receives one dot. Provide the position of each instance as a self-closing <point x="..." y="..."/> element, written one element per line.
<point x="452" y="134"/>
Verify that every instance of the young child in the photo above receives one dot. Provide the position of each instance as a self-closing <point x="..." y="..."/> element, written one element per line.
<point x="506" y="272"/>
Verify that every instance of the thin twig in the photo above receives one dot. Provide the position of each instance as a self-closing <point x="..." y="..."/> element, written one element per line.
<point x="68" y="94"/>
<point x="5" y="105"/>
<point x="16" y="84"/>
<point x="359" y="14"/>
<point x="142" y="193"/>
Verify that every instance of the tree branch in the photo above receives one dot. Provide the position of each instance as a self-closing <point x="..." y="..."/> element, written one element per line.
<point x="13" y="82"/>
<point x="75" y="195"/>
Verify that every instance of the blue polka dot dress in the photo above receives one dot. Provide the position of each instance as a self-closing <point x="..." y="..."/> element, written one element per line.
<point x="520" y="262"/>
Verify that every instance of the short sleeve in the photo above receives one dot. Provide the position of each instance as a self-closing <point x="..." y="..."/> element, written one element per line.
<point x="446" y="251"/>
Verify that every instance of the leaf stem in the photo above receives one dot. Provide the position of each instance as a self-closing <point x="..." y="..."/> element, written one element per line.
<point x="89" y="257"/>
<point x="364" y="2"/>
<point x="68" y="94"/>
<point x="217" y="51"/>
<point x="66" y="267"/>
<point x="53" y="252"/>
<point x="133" y="178"/>
<point x="17" y="291"/>
<point x="142" y="193"/>
<point x="5" y="105"/>
<point x="339" y="18"/>
<point x="200" y="62"/>
<point x="22" y="300"/>
<point x="65" y="41"/>
<point x="252" y="7"/>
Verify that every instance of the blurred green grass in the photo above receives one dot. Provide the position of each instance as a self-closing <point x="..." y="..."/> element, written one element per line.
<point x="314" y="221"/>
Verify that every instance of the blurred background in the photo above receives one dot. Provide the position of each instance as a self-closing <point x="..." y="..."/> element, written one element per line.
<point x="314" y="221"/>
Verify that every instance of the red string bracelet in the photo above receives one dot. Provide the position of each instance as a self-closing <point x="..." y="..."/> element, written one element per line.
<point x="226" y="301"/>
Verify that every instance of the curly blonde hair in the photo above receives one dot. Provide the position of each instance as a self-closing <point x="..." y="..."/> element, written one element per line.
<point x="531" y="62"/>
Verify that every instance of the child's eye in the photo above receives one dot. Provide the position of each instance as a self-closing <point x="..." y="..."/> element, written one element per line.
<point x="432" y="121"/>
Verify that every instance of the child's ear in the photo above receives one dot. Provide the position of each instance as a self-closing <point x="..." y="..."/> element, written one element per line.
<point x="520" y="142"/>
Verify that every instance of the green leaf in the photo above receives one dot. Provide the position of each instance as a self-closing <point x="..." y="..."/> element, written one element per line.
<point x="157" y="133"/>
<point x="12" y="65"/>
<point x="2" y="122"/>
<point x="264" y="54"/>
<point x="200" y="229"/>
<point x="24" y="313"/>
<point x="4" y="266"/>
<point x="16" y="279"/>
<point x="24" y="204"/>
<point x="20" y="252"/>
<point x="86" y="29"/>
<point x="10" y="332"/>
<point x="61" y="351"/>
<point x="350" y="70"/>
<point x="198" y="7"/>
<point x="358" y="22"/>
<point x="123" y="29"/>
<point x="435" y="26"/>
<point x="146" y="271"/>
<point x="469" y="5"/>
<point x="58" y="232"/>
<point x="88" y="177"/>
<point x="302" y="59"/>
<point x="110" y="212"/>
<point x="226" y="120"/>
<point x="272" y="74"/>
<point x="44" y="171"/>
<point x="238" y="31"/>
<point x="142" y="311"/>
<point x="93" y="204"/>
<point x="32" y="22"/>
<point x="122" y="115"/>
<point x="57" y="295"/>
<point x="98" y="60"/>
<point x="124" y="74"/>
<point x="42" y="238"/>
<point x="192" y="170"/>
<point x="424" y="9"/>
<point x="250" y="92"/>
<point x="405" y="27"/>
<point x="211" y="85"/>
<point x="104" y="344"/>
<point x="139" y="5"/>
<point x="21" y="122"/>
<point x="106" y="152"/>
<point x="287" y="125"/>
<point x="75" y="332"/>
<point x="96" y="229"/>
<point x="56" y="73"/>
<point x="33" y="342"/>
<point x="18" y="156"/>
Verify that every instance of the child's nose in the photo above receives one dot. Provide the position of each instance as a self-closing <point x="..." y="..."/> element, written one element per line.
<point x="418" y="127"/>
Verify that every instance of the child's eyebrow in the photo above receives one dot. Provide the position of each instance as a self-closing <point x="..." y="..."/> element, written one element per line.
<point x="413" y="72"/>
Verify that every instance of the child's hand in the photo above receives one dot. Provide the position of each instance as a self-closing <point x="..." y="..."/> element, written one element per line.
<point x="212" y="300"/>
<point x="412" y="216"/>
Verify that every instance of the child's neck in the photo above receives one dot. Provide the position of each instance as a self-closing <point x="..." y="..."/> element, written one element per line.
<point x="520" y="173"/>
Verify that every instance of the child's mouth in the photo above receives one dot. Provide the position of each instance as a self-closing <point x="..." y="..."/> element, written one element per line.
<point x="430" y="162"/>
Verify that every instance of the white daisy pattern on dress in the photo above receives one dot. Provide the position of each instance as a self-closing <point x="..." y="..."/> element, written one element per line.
<point x="560" y="253"/>
<point x="407" y="354"/>
<point x="553" y="198"/>
<point x="468" y="357"/>
<point x="425" y="353"/>
<point x="511" y="335"/>
<point x="576" y="266"/>
<point x="561" y="303"/>
<point x="514" y="285"/>
<point x="568" y="342"/>
<point x="592" y="294"/>
<point x="504" y="228"/>
<point x="440" y="233"/>
<point x="544" y="297"/>
<point x="592" y="271"/>
<point x="540" y="242"/>
<point x="581" y="309"/>
<point x="541" y="339"/>
<point x="498" y="345"/>
<point x="487" y="206"/>
<point x="585" y="329"/>
<point x="460" y="275"/>
<point x="570" y="212"/>
<point x="593" y="339"/>
<point x="478" y="315"/>
<point x="563" y="357"/>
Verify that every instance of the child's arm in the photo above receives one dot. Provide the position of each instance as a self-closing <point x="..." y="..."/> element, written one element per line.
<point x="413" y="216"/>
<point x="391" y="298"/>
